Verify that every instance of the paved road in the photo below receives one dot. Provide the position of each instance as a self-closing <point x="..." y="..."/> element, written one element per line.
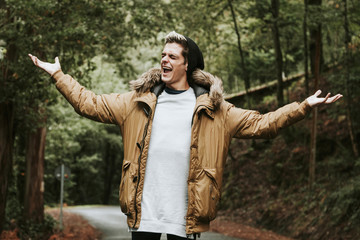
<point x="112" y="223"/>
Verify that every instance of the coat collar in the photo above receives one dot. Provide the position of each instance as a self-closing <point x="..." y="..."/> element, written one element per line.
<point x="203" y="83"/>
<point x="198" y="90"/>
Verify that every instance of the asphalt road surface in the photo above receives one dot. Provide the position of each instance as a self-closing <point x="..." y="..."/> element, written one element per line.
<point x="112" y="223"/>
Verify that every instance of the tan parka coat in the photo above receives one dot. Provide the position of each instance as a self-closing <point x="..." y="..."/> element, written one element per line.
<point x="214" y="123"/>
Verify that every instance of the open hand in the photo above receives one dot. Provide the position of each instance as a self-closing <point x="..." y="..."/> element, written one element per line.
<point x="315" y="100"/>
<point x="50" y="68"/>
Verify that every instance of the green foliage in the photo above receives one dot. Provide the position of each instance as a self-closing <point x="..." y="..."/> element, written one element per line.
<point x="37" y="231"/>
<point x="343" y="204"/>
<point x="13" y="206"/>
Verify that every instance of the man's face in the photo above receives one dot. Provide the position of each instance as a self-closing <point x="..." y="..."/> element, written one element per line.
<point x="173" y="66"/>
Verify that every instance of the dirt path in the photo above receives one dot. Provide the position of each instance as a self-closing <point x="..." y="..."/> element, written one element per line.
<point x="242" y="231"/>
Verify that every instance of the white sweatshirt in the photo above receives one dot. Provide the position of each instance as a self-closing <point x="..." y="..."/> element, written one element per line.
<point x="164" y="199"/>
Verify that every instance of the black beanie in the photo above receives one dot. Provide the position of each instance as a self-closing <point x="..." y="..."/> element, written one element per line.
<point x="195" y="57"/>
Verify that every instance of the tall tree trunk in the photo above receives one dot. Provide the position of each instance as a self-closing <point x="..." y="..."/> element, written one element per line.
<point x="34" y="186"/>
<point x="243" y="65"/>
<point x="6" y="153"/>
<point x="7" y="113"/>
<point x="312" y="161"/>
<point x="314" y="32"/>
<point x="347" y="79"/>
<point x="316" y="62"/>
<point x="275" y="5"/>
<point x="306" y="50"/>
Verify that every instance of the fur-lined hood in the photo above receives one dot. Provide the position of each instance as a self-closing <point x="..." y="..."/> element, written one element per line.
<point x="204" y="79"/>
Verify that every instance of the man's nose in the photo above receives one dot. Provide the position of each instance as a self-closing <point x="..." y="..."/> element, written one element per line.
<point x="165" y="59"/>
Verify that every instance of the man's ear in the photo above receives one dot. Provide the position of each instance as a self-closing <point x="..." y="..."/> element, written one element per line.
<point x="186" y="66"/>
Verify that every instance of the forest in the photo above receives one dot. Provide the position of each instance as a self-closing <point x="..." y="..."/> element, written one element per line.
<point x="304" y="184"/>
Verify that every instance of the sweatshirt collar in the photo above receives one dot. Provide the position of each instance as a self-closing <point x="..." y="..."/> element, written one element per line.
<point x="198" y="90"/>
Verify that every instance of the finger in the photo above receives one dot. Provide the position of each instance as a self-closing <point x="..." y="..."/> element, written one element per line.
<point x="334" y="98"/>
<point x="57" y="60"/>
<point x="32" y="58"/>
<point x="318" y="92"/>
<point x="331" y="100"/>
<point x="327" y="96"/>
<point x="338" y="96"/>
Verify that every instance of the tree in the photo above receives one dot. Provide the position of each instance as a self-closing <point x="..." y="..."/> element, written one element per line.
<point x="316" y="52"/>
<point x="6" y="149"/>
<point x="306" y="51"/>
<point x="347" y="59"/>
<point x="315" y="27"/>
<point x="275" y="5"/>
<point x="6" y="122"/>
<point x="34" y="188"/>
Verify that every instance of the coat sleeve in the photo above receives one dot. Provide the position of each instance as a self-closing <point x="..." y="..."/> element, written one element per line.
<point x="106" y="108"/>
<point x="251" y="124"/>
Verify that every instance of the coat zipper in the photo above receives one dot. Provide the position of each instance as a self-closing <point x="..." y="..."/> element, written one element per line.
<point x="148" y="113"/>
<point x="192" y="121"/>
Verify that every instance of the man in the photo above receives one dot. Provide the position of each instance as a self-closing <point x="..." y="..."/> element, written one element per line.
<point x="176" y="131"/>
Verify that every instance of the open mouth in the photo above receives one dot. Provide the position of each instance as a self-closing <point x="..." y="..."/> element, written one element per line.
<point x="167" y="69"/>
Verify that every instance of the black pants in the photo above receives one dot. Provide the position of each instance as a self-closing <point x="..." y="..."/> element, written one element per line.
<point x="153" y="236"/>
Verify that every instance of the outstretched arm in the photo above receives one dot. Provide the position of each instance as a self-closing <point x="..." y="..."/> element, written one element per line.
<point x="252" y="124"/>
<point x="107" y="108"/>
<point x="50" y="68"/>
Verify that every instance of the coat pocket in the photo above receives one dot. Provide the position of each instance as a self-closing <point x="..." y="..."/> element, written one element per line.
<point x="207" y="195"/>
<point x="127" y="187"/>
